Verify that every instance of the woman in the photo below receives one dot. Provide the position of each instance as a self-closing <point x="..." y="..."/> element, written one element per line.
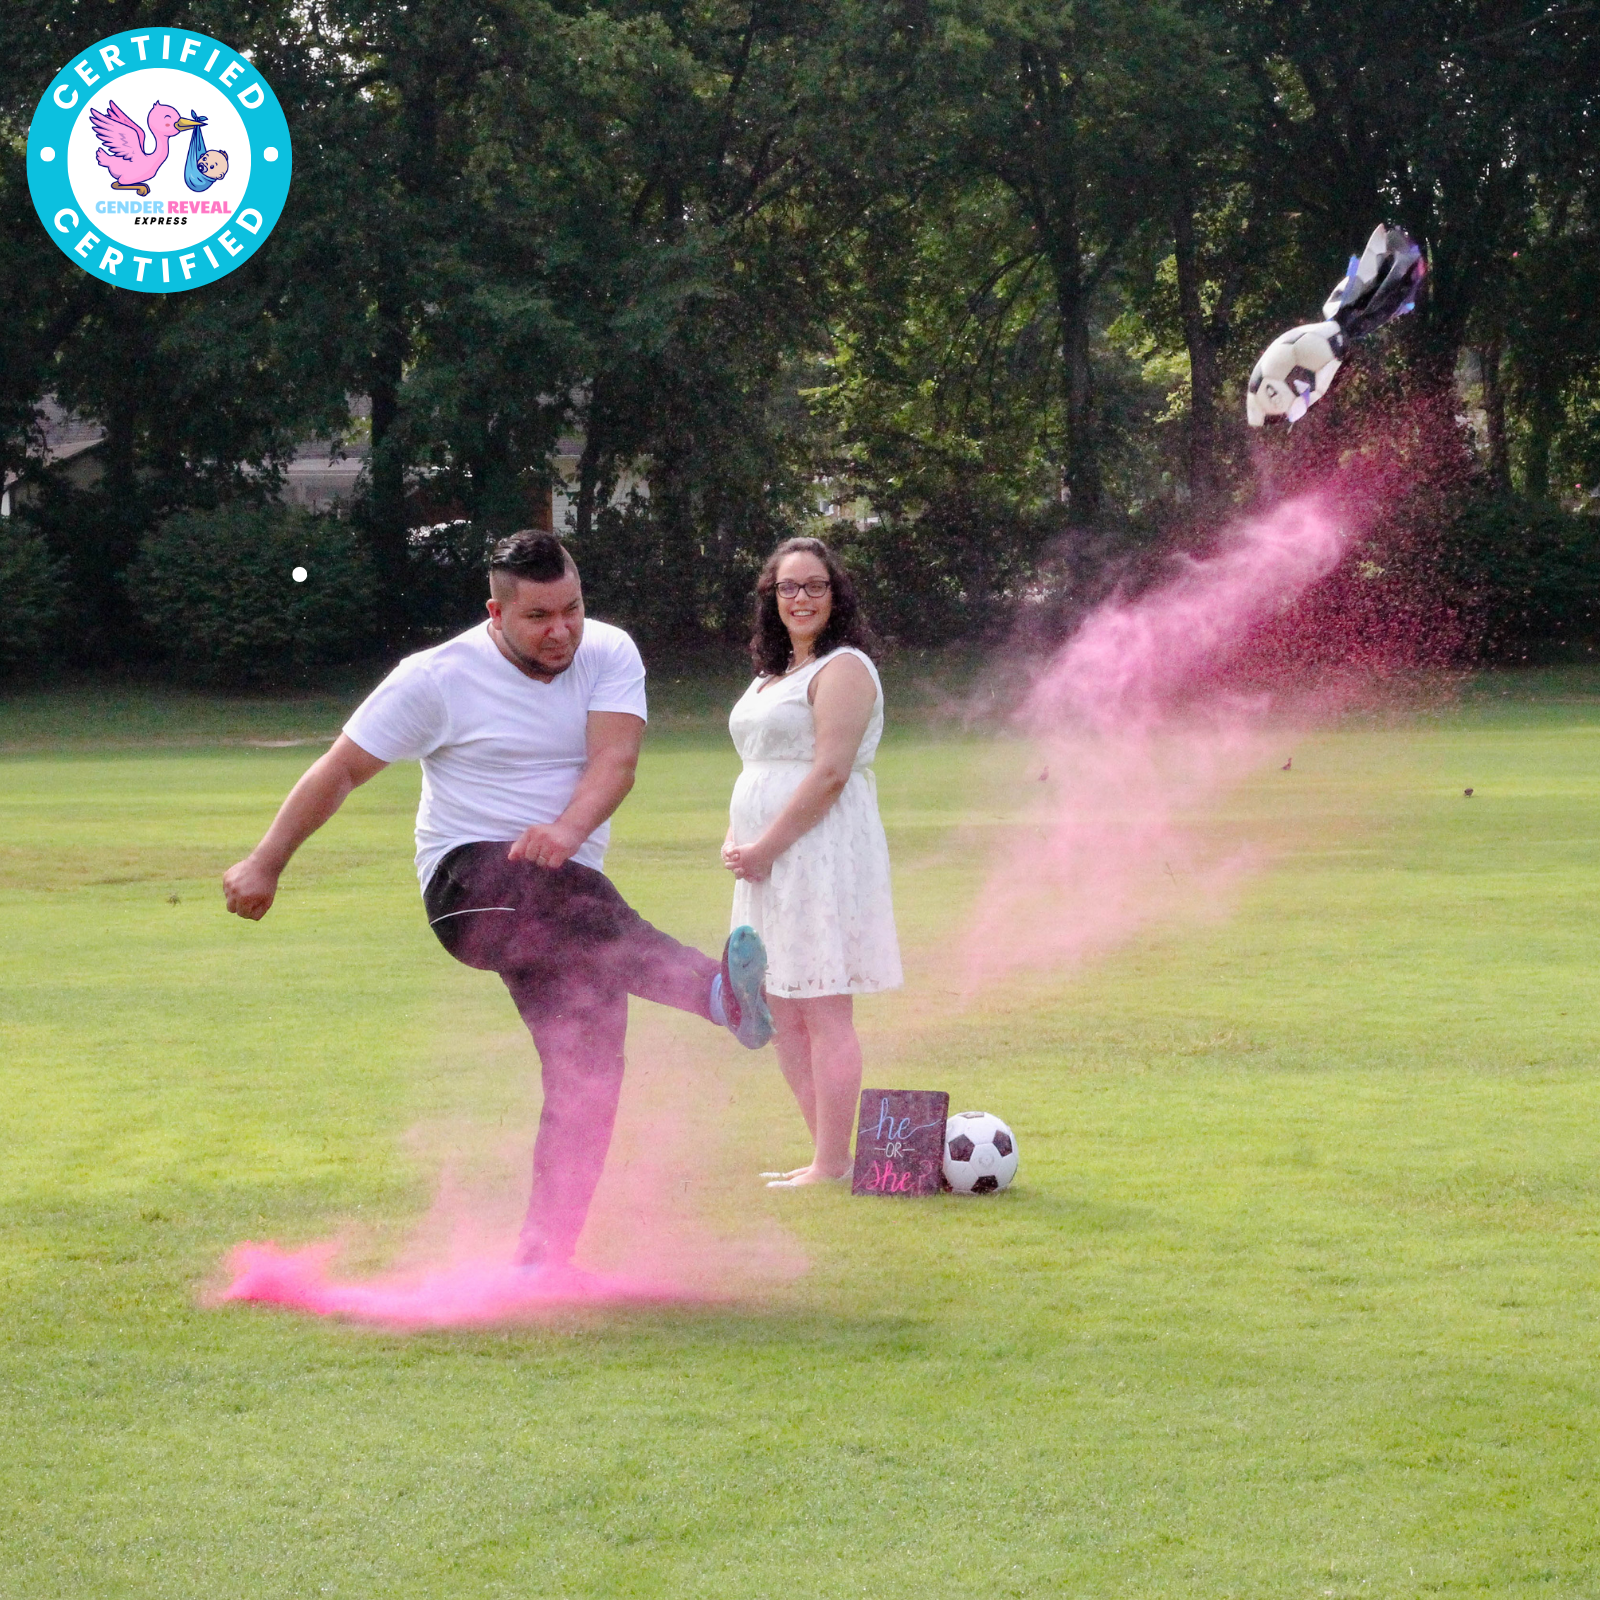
<point x="804" y="840"/>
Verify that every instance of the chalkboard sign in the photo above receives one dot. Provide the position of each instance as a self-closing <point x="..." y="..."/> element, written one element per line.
<point x="900" y="1142"/>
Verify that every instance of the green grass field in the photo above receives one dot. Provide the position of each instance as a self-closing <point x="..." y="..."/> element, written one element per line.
<point x="1296" y="1292"/>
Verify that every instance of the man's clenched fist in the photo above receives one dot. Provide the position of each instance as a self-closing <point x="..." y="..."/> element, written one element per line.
<point x="249" y="888"/>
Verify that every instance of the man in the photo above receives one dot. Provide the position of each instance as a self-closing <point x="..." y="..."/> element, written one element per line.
<point x="528" y="730"/>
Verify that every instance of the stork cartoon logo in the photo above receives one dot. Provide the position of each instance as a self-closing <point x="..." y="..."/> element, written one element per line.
<point x="159" y="160"/>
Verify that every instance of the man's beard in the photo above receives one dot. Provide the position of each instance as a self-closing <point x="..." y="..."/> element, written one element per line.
<point x="533" y="663"/>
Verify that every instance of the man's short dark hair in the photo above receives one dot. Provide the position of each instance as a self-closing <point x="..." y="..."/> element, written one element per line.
<point x="538" y="557"/>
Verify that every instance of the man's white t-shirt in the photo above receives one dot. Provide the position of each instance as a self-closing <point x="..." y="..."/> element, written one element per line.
<point x="500" y="751"/>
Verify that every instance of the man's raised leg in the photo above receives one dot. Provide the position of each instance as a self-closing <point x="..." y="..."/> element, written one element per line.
<point x="509" y="916"/>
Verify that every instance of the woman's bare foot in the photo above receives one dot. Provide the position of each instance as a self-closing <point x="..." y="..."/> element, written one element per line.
<point x="793" y="1172"/>
<point x="806" y="1176"/>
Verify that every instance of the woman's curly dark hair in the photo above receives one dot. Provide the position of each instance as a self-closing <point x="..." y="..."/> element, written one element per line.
<point x="770" y="650"/>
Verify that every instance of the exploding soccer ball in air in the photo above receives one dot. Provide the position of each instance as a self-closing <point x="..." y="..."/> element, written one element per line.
<point x="980" y="1153"/>
<point x="1379" y="285"/>
<point x="1295" y="371"/>
<point x="1299" y="367"/>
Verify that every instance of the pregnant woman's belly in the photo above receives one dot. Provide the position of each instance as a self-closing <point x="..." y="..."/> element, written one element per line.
<point x="762" y="790"/>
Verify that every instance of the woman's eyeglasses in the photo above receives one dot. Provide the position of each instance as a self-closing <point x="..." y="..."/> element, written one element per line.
<point x="814" y="588"/>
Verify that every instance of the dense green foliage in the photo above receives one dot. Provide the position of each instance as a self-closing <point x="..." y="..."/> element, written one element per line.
<point x="986" y="274"/>
<point x="1295" y="1294"/>
<point x="1533" y="569"/>
<point x="33" y="598"/>
<point x="216" y="593"/>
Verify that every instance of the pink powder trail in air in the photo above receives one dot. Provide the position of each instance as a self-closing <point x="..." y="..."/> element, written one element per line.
<point x="1161" y="703"/>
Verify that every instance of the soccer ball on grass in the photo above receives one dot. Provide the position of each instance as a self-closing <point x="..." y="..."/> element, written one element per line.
<point x="980" y="1153"/>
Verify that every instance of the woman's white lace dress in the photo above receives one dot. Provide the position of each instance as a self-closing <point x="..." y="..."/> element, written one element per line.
<point x="824" y="914"/>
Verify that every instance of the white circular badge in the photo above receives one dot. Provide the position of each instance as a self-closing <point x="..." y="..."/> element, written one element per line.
<point x="159" y="160"/>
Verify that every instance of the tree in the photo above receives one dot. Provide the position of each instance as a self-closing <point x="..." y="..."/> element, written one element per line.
<point x="1552" y="350"/>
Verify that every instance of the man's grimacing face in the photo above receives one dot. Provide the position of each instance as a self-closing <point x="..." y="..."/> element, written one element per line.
<point x="539" y="624"/>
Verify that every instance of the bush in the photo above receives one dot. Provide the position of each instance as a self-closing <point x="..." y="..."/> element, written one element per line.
<point x="1530" y="572"/>
<point x="449" y="579"/>
<point x="216" y="590"/>
<point x="33" y="598"/>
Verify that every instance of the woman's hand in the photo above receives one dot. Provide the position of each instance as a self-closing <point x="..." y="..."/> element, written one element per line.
<point x="750" y="861"/>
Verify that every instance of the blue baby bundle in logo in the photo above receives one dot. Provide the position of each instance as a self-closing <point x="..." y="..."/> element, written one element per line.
<point x="198" y="174"/>
<point x="146" y="195"/>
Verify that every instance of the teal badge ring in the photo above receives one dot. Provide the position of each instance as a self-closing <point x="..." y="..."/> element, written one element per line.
<point x="159" y="160"/>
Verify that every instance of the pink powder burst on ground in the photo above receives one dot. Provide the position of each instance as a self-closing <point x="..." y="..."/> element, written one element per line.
<point x="464" y="1293"/>
<point x="668" y="1226"/>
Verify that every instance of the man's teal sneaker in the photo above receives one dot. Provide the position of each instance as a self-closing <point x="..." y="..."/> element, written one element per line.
<point x="737" y="1000"/>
